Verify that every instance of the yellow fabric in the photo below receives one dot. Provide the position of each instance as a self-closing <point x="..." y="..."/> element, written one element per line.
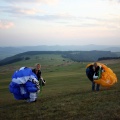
<point x="108" y="77"/>
<point x="89" y="65"/>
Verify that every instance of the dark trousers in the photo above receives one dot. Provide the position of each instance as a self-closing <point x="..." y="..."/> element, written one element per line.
<point x="95" y="86"/>
<point x="90" y="73"/>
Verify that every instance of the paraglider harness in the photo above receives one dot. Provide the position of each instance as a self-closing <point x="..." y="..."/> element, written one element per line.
<point x="42" y="83"/>
<point x="41" y="80"/>
<point x="99" y="72"/>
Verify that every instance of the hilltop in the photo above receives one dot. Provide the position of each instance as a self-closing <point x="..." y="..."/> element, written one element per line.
<point x="77" y="56"/>
<point x="10" y="51"/>
<point x="67" y="94"/>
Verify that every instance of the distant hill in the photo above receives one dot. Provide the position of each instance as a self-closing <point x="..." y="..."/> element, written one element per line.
<point x="113" y="49"/>
<point x="79" y="56"/>
<point x="10" y="51"/>
<point x="89" y="56"/>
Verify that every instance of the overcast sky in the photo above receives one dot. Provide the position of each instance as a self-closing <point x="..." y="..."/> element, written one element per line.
<point x="59" y="22"/>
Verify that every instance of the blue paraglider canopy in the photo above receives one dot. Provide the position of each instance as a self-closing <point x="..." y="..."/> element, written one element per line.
<point x="24" y="84"/>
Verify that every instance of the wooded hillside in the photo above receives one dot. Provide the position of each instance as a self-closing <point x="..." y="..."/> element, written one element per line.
<point x="79" y="56"/>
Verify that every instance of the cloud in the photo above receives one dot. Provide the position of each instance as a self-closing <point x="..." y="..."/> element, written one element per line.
<point x="25" y="7"/>
<point x="114" y="1"/>
<point x="30" y="11"/>
<point x="50" y="2"/>
<point x="52" y="17"/>
<point x="111" y="22"/>
<point x="27" y="11"/>
<point x="33" y="13"/>
<point x="23" y="11"/>
<point x="6" y="24"/>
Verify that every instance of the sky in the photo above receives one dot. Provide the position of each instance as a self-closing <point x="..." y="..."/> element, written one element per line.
<point x="59" y="22"/>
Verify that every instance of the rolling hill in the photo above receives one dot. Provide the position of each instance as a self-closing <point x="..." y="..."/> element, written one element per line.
<point x="67" y="94"/>
<point x="79" y="56"/>
<point x="10" y="51"/>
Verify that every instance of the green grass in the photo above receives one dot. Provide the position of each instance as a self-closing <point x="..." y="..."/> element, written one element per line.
<point x="66" y="96"/>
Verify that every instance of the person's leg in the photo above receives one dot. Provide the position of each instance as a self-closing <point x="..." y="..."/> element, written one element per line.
<point x="33" y="97"/>
<point x="93" y="86"/>
<point x="97" y="87"/>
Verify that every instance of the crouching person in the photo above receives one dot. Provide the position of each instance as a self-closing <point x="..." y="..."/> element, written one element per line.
<point x="24" y="85"/>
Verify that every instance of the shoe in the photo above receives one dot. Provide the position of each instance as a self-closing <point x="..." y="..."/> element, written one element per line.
<point x="34" y="101"/>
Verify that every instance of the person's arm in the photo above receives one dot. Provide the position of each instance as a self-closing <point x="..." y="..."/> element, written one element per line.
<point x="95" y="77"/>
<point x="100" y="72"/>
<point x="97" y="74"/>
<point x="39" y="74"/>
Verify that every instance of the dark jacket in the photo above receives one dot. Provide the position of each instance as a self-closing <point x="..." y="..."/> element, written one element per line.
<point x="38" y="74"/>
<point x="90" y="72"/>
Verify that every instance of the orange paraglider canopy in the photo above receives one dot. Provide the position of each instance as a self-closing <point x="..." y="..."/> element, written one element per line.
<point x="108" y="77"/>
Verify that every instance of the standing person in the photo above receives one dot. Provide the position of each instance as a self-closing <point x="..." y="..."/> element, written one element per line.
<point x="37" y="71"/>
<point x="93" y="72"/>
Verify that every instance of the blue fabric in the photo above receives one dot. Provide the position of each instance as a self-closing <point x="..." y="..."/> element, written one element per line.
<point x="15" y="89"/>
<point x="31" y="87"/>
<point x="28" y="87"/>
<point x="22" y="73"/>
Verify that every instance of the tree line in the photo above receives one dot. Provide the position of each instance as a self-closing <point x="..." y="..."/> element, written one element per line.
<point x="79" y="56"/>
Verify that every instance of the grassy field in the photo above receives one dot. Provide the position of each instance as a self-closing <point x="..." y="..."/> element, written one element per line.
<point x="66" y="96"/>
